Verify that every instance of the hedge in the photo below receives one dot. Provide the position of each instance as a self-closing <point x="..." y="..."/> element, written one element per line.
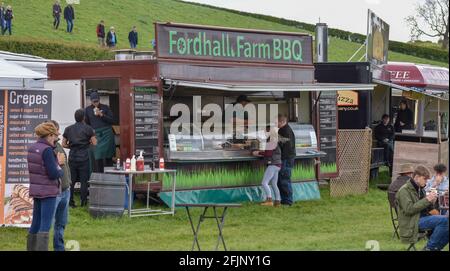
<point x="395" y="46"/>
<point x="54" y="50"/>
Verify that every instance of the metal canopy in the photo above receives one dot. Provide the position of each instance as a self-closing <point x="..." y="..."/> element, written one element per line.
<point x="439" y="94"/>
<point x="245" y="87"/>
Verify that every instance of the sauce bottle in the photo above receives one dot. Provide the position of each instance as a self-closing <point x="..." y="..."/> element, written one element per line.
<point x="161" y="163"/>
<point x="128" y="164"/>
<point x="140" y="162"/>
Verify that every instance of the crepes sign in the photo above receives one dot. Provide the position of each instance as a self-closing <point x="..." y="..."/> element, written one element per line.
<point x="20" y="112"/>
<point x="210" y="43"/>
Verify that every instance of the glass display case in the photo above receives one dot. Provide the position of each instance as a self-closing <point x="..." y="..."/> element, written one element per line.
<point x="226" y="147"/>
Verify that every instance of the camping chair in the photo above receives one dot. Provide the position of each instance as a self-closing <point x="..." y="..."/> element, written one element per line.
<point x="394" y="213"/>
<point x="392" y="190"/>
<point x="423" y="235"/>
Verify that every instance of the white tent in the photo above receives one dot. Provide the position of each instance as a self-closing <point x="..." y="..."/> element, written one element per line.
<point x="12" y="70"/>
<point x="14" y="76"/>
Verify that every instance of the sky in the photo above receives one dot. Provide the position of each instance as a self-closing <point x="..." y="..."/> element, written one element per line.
<point x="350" y="15"/>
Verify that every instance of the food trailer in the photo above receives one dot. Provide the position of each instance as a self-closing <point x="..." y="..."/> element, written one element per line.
<point x="425" y="88"/>
<point x="203" y="69"/>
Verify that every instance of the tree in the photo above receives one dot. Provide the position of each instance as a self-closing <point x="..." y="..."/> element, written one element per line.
<point x="434" y="15"/>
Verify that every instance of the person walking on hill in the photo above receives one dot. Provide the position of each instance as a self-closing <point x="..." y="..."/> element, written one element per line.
<point x="133" y="37"/>
<point x="111" y="38"/>
<point x="101" y="33"/>
<point x="69" y="16"/>
<point x="8" y="20"/>
<point x="2" y="16"/>
<point x="56" y="14"/>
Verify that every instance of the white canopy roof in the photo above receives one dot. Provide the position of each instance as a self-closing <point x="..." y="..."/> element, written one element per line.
<point x="11" y="70"/>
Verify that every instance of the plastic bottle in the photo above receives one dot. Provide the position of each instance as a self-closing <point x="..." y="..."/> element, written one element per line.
<point x="118" y="164"/>
<point x="128" y="164"/>
<point x="133" y="163"/>
<point x="161" y="163"/>
<point x="140" y="162"/>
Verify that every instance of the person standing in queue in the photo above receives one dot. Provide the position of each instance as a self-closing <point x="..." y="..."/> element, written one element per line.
<point x="100" y="118"/>
<point x="404" y="118"/>
<point x="78" y="138"/>
<point x="287" y="146"/>
<point x="45" y="174"/>
<point x="62" y="200"/>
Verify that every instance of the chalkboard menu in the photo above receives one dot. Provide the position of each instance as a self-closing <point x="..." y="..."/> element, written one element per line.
<point x="147" y="110"/>
<point x="327" y="127"/>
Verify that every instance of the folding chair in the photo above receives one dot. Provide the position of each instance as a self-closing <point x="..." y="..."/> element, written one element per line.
<point x="394" y="213"/>
<point x="392" y="190"/>
<point x="423" y="235"/>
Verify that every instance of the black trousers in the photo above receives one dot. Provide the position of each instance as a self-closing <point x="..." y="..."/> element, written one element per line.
<point x="100" y="164"/>
<point x="80" y="172"/>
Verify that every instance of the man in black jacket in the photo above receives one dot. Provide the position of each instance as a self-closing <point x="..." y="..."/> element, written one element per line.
<point x="133" y="38"/>
<point x="69" y="16"/>
<point x="384" y="134"/>
<point x="404" y="118"/>
<point x="287" y="145"/>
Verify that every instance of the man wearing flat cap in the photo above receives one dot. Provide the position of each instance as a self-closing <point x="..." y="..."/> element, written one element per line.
<point x="99" y="116"/>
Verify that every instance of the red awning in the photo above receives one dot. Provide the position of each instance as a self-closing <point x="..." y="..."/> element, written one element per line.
<point x="418" y="76"/>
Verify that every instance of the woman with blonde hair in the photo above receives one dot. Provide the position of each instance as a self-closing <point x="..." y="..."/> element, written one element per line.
<point x="45" y="174"/>
<point x="272" y="157"/>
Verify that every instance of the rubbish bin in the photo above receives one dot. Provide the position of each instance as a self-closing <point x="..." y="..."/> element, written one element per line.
<point x="106" y="194"/>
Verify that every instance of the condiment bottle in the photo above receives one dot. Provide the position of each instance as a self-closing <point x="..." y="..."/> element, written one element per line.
<point x="128" y="164"/>
<point x="118" y="164"/>
<point x="133" y="163"/>
<point x="161" y="163"/>
<point x="140" y="162"/>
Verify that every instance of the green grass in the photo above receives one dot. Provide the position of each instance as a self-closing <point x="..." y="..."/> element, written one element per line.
<point x="327" y="224"/>
<point x="33" y="20"/>
<point x="336" y="224"/>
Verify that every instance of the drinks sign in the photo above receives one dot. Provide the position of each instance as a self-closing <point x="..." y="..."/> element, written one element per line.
<point x="208" y="43"/>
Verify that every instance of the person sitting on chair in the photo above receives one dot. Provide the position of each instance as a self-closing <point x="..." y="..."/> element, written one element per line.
<point x="384" y="134"/>
<point x="439" y="181"/>
<point x="414" y="212"/>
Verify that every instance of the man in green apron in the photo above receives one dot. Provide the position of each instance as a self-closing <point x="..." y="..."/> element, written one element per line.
<point x="100" y="118"/>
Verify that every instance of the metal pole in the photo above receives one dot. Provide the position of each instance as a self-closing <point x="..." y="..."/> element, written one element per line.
<point x="420" y="115"/>
<point x="174" y="181"/>
<point x="130" y="192"/>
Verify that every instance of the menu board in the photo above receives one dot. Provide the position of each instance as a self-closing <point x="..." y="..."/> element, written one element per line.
<point x="147" y="111"/>
<point x="20" y="112"/>
<point x="327" y="127"/>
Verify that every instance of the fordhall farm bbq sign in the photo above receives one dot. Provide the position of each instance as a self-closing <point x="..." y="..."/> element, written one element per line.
<point x="212" y="43"/>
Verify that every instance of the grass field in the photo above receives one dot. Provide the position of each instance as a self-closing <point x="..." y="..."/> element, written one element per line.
<point x="326" y="224"/>
<point x="33" y="20"/>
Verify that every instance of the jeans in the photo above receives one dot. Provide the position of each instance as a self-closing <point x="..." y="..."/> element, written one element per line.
<point x="439" y="225"/>
<point x="79" y="171"/>
<point x="271" y="175"/>
<point x="132" y="45"/>
<point x="56" y="21"/>
<point x="8" y="25"/>
<point x="43" y="210"/>
<point x="61" y="214"/>
<point x="388" y="150"/>
<point x="69" y="25"/>
<point x="284" y="181"/>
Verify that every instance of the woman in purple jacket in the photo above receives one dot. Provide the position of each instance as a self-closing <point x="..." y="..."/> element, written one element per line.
<point x="45" y="172"/>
